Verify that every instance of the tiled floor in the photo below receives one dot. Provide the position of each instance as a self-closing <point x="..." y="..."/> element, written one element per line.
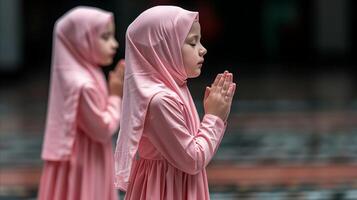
<point x="273" y="149"/>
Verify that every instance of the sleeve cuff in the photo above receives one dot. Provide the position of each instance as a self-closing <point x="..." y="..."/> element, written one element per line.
<point x="216" y="120"/>
<point x="115" y="100"/>
<point x="121" y="186"/>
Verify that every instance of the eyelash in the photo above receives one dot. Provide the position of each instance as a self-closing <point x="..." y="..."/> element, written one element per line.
<point x="105" y="36"/>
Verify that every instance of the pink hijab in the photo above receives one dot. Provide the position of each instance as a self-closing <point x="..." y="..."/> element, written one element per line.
<point x="74" y="63"/>
<point x="153" y="64"/>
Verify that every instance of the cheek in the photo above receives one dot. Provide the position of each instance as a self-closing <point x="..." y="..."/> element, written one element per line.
<point x="188" y="57"/>
<point x="102" y="56"/>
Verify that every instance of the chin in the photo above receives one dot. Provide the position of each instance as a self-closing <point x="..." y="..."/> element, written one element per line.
<point x="107" y="62"/>
<point x="198" y="73"/>
<point x="195" y="75"/>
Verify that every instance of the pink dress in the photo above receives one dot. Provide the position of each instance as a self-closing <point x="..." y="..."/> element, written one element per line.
<point x="88" y="174"/>
<point x="163" y="147"/>
<point x="81" y="116"/>
<point x="171" y="163"/>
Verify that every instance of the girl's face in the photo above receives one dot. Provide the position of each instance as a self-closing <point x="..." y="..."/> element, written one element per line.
<point x="107" y="45"/>
<point x="193" y="51"/>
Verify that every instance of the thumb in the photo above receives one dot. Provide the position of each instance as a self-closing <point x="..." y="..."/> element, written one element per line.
<point x="122" y="61"/>
<point x="120" y="65"/>
<point x="207" y="91"/>
<point x="111" y="74"/>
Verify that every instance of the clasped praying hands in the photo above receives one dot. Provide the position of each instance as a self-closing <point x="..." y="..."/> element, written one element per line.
<point x="218" y="98"/>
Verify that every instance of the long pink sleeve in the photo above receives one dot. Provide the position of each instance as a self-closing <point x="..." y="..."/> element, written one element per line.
<point x="168" y="132"/>
<point x="98" y="121"/>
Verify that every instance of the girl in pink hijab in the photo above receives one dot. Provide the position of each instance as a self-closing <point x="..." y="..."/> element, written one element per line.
<point x="163" y="147"/>
<point x="83" y="114"/>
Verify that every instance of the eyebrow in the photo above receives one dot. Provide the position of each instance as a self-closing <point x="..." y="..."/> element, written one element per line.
<point x="108" y="32"/>
<point x="193" y="36"/>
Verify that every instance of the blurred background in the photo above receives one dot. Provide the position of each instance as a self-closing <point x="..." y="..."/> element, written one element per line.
<point x="292" y="132"/>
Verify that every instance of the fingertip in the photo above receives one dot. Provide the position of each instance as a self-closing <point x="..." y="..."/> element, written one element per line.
<point x="219" y="76"/>
<point x="121" y="63"/>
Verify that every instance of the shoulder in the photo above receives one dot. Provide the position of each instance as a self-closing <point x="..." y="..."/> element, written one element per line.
<point x="71" y="80"/>
<point x="88" y="86"/>
<point x="89" y="91"/>
<point x="165" y="100"/>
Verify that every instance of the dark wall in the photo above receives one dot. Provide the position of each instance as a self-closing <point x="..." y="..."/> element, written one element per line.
<point x="254" y="37"/>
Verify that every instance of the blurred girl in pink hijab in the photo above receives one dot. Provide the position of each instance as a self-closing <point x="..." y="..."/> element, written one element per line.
<point x="163" y="147"/>
<point x="83" y="111"/>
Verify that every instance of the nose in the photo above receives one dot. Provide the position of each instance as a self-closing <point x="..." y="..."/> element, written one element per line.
<point x="202" y="51"/>
<point x="115" y="44"/>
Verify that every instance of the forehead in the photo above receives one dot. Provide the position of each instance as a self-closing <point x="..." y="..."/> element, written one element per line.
<point x="110" y="25"/>
<point x="195" y="29"/>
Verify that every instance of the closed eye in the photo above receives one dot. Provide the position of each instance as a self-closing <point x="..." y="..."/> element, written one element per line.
<point x="105" y="36"/>
<point x="192" y="40"/>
